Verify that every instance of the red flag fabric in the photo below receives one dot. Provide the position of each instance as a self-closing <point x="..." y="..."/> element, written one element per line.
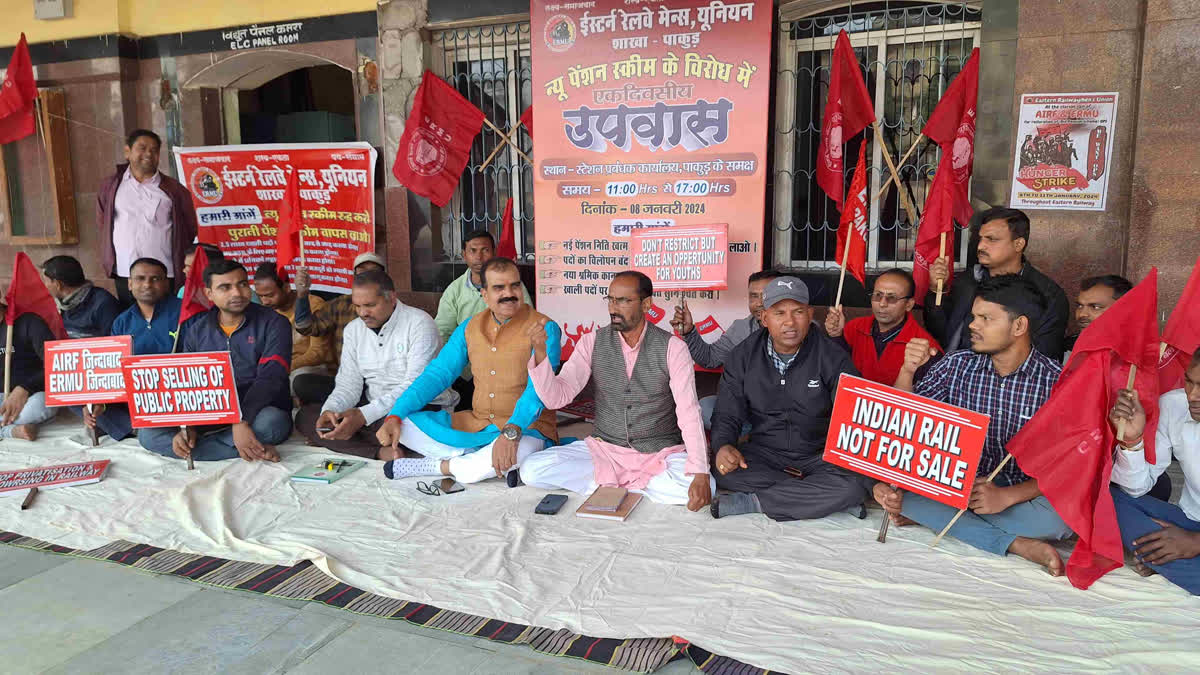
<point x="852" y="230"/>
<point x="17" y="96"/>
<point x="1182" y="335"/>
<point x="952" y="127"/>
<point x="27" y="293"/>
<point x="937" y="218"/>
<point x="1068" y="445"/>
<point x="436" y="142"/>
<point x="848" y="110"/>
<point x="194" y="300"/>
<point x="291" y="223"/>
<point x="527" y="121"/>
<point x="507" y="248"/>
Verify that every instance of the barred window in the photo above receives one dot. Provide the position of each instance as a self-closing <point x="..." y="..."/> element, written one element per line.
<point x="909" y="53"/>
<point x="490" y="66"/>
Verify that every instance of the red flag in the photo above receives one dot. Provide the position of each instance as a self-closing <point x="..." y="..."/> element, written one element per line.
<point x="291" y="223"/>
<point x="17" y="96"/>
<point x="848" y="110"/>
<point x="436" y="142"/>
<point x="937" y="218"/>
<point x="27" y="293"/>
<point x="852" y="230"/>
<point x="527" y="121"/>
<point x="952" y="127"/>
<point x="194" y="300"/>
<point x="1182" y="336"/>
<point x="1068" y="445"/>
<point x="507" y="248"/>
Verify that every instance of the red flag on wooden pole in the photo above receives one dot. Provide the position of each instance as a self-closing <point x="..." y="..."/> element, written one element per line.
<point x="17" y="96"/>
<point x="1068" y="444"/>
<point x="527" y="121"/>
<point x="1182" y="335"/>
<point x="27" y="293"/>
<point x="436" y="142"/>
<point x="848" y="110"/>
<point x="852" y="230"/>
<point x="289" y="242"/>
<point x="507" y="247"/>
<point x="194" y="300"/>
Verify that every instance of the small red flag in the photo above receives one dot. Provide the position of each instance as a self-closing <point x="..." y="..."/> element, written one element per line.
<point x="27" y="293"/>
<point x="952" y="127"/>
<point x="1068" y="445"/>
<point x="852" y="230"/>
<point x="1182" y="335"/>
<point x="527" y="121"/>
<point x="194" y="300"/>
<point x="848" y="110"/>
<point x="291" y="223"/>
<point x="507" y="248"/>
<point x="937" y="218"/>
<point x="17" y="96"/>
<point x="436" y="142"/>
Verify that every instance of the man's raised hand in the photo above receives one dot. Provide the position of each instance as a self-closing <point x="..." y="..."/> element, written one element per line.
<point x="537" y="339"/>
<point x="682" y="321"/>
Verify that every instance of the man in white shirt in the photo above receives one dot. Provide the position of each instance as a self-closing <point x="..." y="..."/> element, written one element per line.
<point x="1164" y="537"/>
<point x="383" y="351"/>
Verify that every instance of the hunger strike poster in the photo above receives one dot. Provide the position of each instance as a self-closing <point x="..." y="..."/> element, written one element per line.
<point x="1064" y="151"/>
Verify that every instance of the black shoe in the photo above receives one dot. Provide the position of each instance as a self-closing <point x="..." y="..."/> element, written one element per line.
<point x="387" y="469"/>
<point x="513" y="478"/>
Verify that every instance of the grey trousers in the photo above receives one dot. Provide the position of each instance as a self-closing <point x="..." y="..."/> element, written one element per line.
<point x="824" y="489"/>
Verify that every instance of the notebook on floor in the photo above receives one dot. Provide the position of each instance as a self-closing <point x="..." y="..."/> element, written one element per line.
<point x="330" y="470"/>
<point x="609" y="504"/>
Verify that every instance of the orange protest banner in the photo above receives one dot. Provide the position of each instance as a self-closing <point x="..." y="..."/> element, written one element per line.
<point x="915" y="443"/>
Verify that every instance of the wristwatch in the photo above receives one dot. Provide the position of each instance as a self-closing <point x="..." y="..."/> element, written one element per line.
<point x="512" y="432"/>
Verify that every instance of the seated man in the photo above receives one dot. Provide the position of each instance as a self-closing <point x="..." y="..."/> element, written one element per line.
<point x="309" y="354"/>
<point x="1096" y="295"/>
<point x="876" y="342"/>
<point x="782" y="381"/>
<point x="462" y="298"/>
<point x="152" y="322"/>
<point x="1004" y="377"/>
<point x="648" y="434"/>
<point x="713" y="355"/>
<point x="87" y="310"/>
<point x="259" y="342"/>
<point x="25" y="406"/>
<point x="328" y="322"/>
<point x="506" y="423"/>
<point x="1164" y="537"/>
<point x="383" y="352"/>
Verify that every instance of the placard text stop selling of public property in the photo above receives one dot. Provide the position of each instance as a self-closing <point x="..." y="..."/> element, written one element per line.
<point x="180" y="389"/>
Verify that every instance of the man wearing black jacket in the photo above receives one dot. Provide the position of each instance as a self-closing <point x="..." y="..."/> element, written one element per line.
<point x="87" y="310"/>
<point x="1003" y="236"/>
<point x="259" y="342"/>
<point x="25" y="406"/>
<point x="781" y="381"/>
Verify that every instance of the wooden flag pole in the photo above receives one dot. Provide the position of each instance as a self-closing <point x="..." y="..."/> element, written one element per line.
<point x="842" y="279"/>
<point x="174" y="346"/>
<point x="941" y="254"/>
<point x="8" y="361"/>
<point x="505" y="139"/>
<point x="887" y="156"/>
<point x="883" y="528"/>
<point x="1128" y="385"/>
<point x="903" y="159"/>
<point x="191" y="463"/>
<point x="959" y="514"/>
<point x="92" y="430"/>
<point x="502" y="135"/>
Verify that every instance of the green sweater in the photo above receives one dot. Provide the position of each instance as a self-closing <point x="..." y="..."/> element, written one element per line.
<point x="461" y="301"/>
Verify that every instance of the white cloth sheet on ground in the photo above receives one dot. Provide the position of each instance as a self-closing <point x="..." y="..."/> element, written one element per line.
<point x="807" y="596"/>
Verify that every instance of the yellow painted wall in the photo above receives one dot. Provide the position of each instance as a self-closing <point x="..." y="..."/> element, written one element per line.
<point x="161" y="17"/>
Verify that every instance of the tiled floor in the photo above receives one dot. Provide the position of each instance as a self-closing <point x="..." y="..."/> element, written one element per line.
<point x="67" y="615"/>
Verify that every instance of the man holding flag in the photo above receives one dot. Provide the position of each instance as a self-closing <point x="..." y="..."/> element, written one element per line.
<point x="30" y="319"/>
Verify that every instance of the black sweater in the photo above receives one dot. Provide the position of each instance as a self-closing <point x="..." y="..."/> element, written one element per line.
<point x="30" y="334"/>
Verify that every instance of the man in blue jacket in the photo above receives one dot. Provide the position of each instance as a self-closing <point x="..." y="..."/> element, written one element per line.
<point x="151" y="322"/>
<point x="259" y="342"/>
<point x="87" y="310"/>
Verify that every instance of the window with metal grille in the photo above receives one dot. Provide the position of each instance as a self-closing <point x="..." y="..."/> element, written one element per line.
<point x="490" y="66"/>
<point x="909" y="53"/>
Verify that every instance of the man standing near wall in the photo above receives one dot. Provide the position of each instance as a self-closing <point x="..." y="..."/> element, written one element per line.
<point x="142" y="214"/>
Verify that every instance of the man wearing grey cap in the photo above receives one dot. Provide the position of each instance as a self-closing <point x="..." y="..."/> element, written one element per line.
<point x="781" y="381"/>
<point x="329" y="322"/>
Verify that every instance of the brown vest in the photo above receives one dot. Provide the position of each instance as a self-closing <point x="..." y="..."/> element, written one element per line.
<point x="499" y="362"/>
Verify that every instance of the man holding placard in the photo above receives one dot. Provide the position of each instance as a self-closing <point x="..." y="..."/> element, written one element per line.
<point x="1005" y="377"/>
<point x="259" y="342"/>
<point x="24" y="408"/>
<point x="1002" y="237"/>
<point x="782" y="381"/>
<point x="151" y="321"/>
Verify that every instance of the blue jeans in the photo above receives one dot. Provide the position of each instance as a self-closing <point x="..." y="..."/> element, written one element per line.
<point x="707" y="405"/>
<point x="113" y="422"/>
<point x="271" y="426"/>
<point x="994" y="532"/>
<point x="1134" y="516"/>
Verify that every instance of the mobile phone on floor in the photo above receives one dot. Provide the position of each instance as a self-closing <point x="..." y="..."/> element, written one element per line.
<point x="449" y="486"/>
<point x="550" y="504"/>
